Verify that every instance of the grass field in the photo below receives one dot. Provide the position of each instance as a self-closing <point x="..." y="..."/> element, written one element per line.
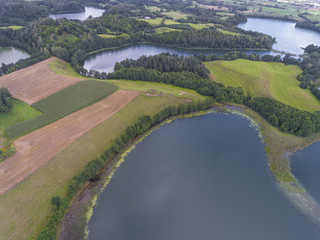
<point x="112" y="36"/>
<point x="20" y="112"/>
<point x="19" y="220"/>
<point x="63" y="103"/>
<point x="63" y="68"/>
<point x="12" y="27"/>
<point x="265" y="79"/>
<point x="157" y="21"/>
<point x="176" y="15"/>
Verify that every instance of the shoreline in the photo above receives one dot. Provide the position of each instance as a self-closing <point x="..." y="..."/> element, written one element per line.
<point x="88" y="197"/>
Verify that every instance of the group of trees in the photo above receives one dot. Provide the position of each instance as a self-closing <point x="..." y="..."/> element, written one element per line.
<point x="93" y="168"/>
<point x="310" y="65"/>
<point x="6" y="102"/>
<point x="166" y="62"/>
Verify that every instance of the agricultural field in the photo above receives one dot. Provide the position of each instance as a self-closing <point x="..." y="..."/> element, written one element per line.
<point x="157" y="21"/>
<point x="53" y="177"/>
<point x="36" y="148"/>
<point x="266" y="79"/>
<point x="61" y="104"/>
<point x="36" y="82"/>
<point x="176" y="15"/>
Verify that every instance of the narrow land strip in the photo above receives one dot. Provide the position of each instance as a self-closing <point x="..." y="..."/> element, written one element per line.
<point x="36" y="82"/>
<point x="36" y="148"/>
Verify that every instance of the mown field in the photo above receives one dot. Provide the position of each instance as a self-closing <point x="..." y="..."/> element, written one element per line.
<point x="267" y="79"/>
<point x="61" y="104"/>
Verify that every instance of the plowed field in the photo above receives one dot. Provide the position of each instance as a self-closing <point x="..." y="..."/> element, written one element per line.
<point x="36" y="82"/>
<point x="36" y="148"/>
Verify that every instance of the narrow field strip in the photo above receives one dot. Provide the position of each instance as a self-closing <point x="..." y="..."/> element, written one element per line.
<point x="36" y="148"/>
<point x="36" y="82"/>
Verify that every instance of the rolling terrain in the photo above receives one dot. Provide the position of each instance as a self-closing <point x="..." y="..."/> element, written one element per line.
<point x="265" y="79"/>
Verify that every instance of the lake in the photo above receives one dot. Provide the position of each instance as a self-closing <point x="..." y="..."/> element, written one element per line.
<point x="89" y="11"/>
<point x="11" y="55"/>
<point x="104" y="61"/>
<point x="204" y="177"/>
<point x="305" y="167"/>
<point x="289" y="38"/>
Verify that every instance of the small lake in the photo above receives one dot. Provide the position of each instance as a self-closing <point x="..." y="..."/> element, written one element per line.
<point x="11" y="55"/>
<point x="202" y="178"/>
<point x="104" y="61"/>
<point x="289" y="38"/>
<point x="305" y="167"/>
<point x="89" y="11"/>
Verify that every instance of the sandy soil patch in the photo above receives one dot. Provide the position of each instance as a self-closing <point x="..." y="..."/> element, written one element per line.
<point x="36" y="148"/>
<point x="36" y="82"/>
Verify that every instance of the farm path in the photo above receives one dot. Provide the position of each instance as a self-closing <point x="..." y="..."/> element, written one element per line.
<point x="38" y="147"/>
<point x="36" y="82"/>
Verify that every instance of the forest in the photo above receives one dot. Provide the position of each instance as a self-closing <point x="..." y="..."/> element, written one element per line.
<point x="6" y="101"/>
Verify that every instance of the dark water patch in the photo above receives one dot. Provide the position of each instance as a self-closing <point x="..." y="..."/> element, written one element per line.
<point x="200" y="178"/>
<point x="305" y="167"/>
<point x="89" y="11"/>
<point x="11" y="55"/>
<point x="289" y="38"/>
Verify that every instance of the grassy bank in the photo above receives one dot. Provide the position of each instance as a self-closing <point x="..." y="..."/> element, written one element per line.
<point x="266" y="79"/>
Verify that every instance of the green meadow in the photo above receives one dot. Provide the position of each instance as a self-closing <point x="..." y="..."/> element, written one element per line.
<point x="267" y="79"/>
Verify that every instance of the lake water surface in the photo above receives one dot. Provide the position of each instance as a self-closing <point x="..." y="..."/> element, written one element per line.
<point x="89" y="11"/>
<point x="11" y="55"/>
<point x="202" y="178"/>
<point x="104" y="61"/>
<point x="289" y="38"/>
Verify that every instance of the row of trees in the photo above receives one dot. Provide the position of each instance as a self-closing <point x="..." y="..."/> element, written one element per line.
<point x="93" y="168"/>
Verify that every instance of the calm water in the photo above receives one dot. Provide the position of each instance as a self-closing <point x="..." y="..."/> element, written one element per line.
<point x="104" y="61"/>
<point x="305" y="167"/>
<point x="11" y="55"/>
<point x="199" y="178"/>
<point x="289" y="38"/>
<point x="89" y="11"/>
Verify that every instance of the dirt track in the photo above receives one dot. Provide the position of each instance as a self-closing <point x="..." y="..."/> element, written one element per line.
<point x="36" y="82"/>
<point x="36" y="148"/>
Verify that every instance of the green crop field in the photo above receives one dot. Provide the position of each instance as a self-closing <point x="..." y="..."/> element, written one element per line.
<point x="12" y="27"/>
<point x="20" y="112"/>
<point x="63" y="103"/>
<point x="267" y="79"/>
<point x="165" y="29"/>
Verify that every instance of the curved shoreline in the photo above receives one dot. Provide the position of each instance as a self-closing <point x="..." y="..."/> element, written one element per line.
<point x="88" y="197"/>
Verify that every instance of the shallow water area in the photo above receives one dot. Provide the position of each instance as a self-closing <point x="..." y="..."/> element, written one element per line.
<point x="204" y="177"/>
<point x="290" y="39"/>
<point x="89" y="11"/>
<point x="11" y="55"/>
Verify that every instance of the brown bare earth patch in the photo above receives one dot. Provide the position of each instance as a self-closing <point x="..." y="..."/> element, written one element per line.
<point x="36" y="148"/>
<point x="36" y="82"/>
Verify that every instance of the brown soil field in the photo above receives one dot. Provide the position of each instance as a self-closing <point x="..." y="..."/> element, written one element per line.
<point x="36" y="82"/>
<point x="36" y="148"/>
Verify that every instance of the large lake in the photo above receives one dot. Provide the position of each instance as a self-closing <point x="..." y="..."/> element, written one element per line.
<point x="11" y="55"/>
<point x="104" y="61"/>
<point x="289" y="38"/>
<point x="204" y="177"/>
<point x="89" y="11"/>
